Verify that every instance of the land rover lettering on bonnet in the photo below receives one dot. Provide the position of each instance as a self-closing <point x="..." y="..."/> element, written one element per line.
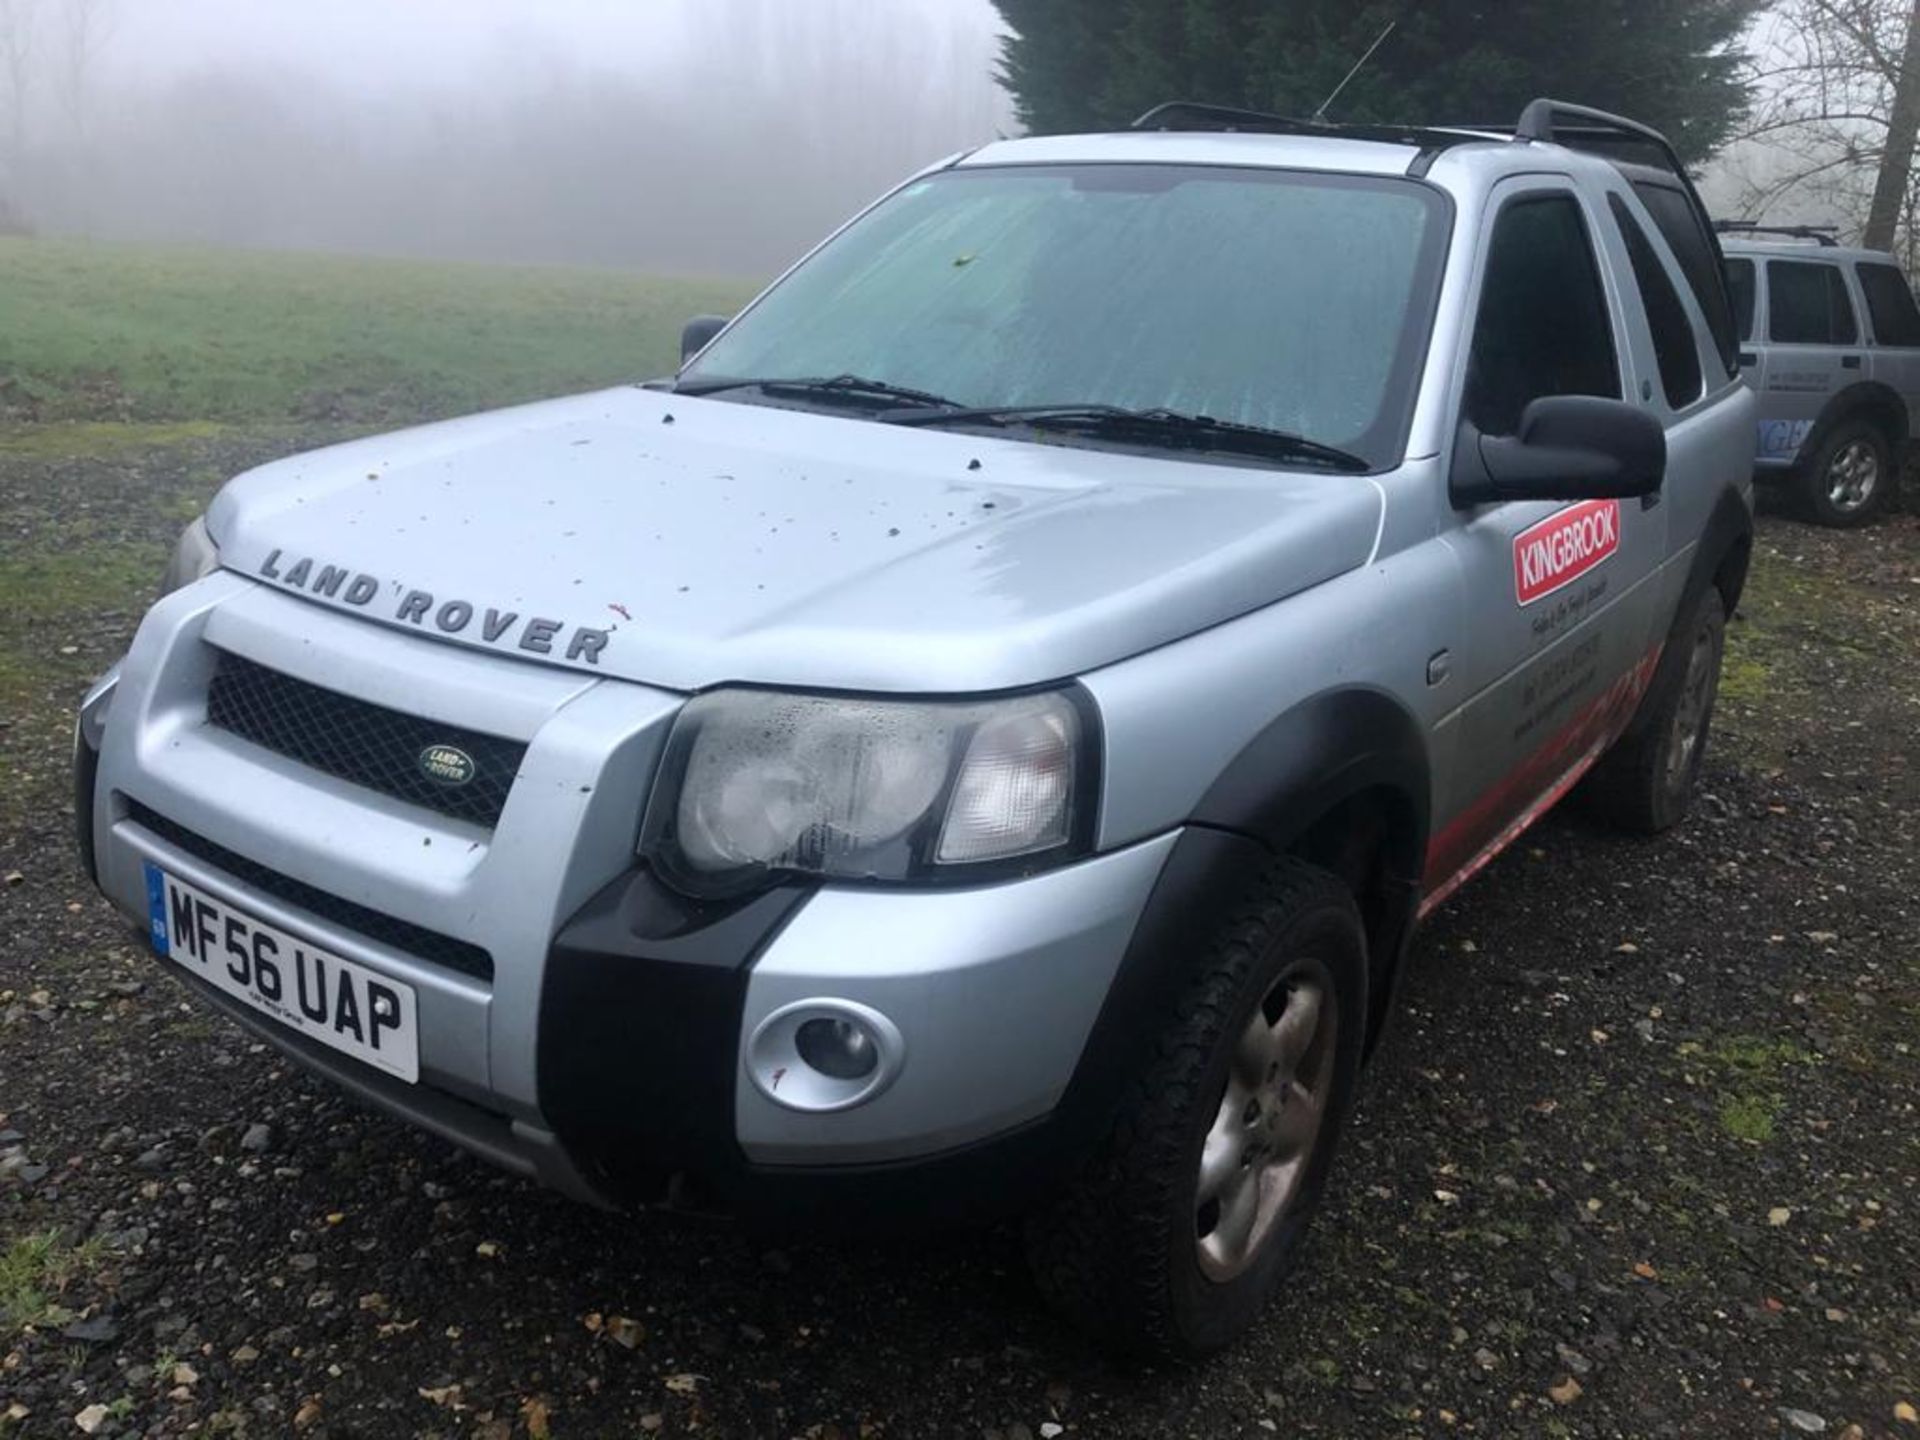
<point x="450" y="617"/>
<point x="1047" y="652"/>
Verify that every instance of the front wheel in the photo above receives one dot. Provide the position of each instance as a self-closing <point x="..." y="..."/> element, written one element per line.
<point x="1851" y="476"/>
<point x="1186" y="1221"/>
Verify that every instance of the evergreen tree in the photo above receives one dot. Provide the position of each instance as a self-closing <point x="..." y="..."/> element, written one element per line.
<point x="1096" y="64"/>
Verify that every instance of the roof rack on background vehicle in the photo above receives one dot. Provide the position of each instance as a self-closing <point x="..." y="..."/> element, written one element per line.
<point x="1826" y="235"/>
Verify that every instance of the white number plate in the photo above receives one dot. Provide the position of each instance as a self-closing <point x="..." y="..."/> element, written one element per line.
<point x="347" y="1006"/>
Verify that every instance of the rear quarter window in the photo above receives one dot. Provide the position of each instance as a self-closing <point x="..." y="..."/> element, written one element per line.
<point x="1896" y="319"/>
<point x="1693" y="245"/>
<point x="1673" y="339"/>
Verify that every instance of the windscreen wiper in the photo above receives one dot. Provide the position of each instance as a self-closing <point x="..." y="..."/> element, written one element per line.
<point x="854" y="387"/>
<point x="1159" y="426"/>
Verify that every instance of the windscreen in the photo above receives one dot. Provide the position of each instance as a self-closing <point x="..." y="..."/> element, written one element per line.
<point x="1292" y="300"/>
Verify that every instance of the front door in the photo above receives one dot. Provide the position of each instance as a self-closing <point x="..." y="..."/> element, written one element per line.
<point x="1559" y="615"/>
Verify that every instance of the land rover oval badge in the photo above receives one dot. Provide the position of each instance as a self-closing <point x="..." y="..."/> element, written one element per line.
<point x="447" y="764"/>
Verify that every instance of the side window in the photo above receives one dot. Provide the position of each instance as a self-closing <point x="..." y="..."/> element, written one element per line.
<point x="1693" y="245"/>
<point x="1543" y="327"/>
<point x="1807" y="304"/>
<point x="1896" y="319"/>
<point x="1740" y="280"/>
<point x="1673" y="341"/>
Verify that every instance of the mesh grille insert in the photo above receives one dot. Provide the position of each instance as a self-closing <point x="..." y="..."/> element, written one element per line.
<point x="365" y="743"/>
<point x="403" y="935"/>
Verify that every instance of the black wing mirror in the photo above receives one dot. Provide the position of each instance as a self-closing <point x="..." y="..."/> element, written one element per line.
<point x="697" y="332"/>
<point x="1569" y="447"/>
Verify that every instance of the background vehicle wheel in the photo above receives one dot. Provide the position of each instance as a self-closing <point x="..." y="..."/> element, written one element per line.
<point x="1645" y="783"/>
<point x="1184" y="1222"/>
<point x="1851" y="477"/>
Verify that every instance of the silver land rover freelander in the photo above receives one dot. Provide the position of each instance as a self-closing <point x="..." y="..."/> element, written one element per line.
<point x="1830" y="341"/>
<point x="977" y="740"/>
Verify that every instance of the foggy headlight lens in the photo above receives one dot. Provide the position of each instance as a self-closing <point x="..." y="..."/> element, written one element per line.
<point x="757" y="782"/>
<point x="194" y="555"/>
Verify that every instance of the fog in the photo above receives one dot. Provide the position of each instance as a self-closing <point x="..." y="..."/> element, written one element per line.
<point x="696" y="136"/>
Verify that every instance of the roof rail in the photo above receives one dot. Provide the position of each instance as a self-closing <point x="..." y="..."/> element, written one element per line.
<point x="1198" y="115"/>
<point x="1551" y="120"/>
<point x="1826" y="235"/>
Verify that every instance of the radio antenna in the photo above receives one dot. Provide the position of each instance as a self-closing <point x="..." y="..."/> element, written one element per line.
<point x="1320" y="115"/>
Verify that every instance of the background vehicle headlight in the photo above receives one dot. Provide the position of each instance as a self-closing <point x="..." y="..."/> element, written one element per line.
<point x="757" y="782"/>
<point x="194" y="555"/>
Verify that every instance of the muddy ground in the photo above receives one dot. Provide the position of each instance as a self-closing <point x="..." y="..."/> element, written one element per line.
<point x="1640" y="1159"/>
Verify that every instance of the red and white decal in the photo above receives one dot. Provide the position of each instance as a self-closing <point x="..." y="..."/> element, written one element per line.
<point x="1563" y="547"/>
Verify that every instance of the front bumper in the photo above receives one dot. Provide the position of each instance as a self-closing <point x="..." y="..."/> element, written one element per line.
<point x="601" y="1049"/>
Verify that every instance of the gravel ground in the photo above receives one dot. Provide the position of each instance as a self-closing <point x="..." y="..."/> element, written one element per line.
<point x="1640" y="1158"/>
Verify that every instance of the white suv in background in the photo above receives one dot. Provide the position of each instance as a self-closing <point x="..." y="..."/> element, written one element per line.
<point x="1830" y="342"/>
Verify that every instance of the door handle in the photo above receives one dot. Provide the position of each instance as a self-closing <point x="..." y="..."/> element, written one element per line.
<point x="1748" y="359"/>
<point x="1849" y="362"/>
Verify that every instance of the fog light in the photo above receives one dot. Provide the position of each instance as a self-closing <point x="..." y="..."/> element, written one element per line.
<point x="824" y="1054"/>
<point x="838" y="1048"/>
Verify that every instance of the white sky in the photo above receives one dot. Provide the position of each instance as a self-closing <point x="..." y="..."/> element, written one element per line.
<point x="381" y="45"/>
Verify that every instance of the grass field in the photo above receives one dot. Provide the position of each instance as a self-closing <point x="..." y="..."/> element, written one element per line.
<point x="105" y="332"/>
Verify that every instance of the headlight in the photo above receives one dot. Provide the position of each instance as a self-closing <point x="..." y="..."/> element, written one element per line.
<point x="756" y="782"/>
<point x="194" y="555"/>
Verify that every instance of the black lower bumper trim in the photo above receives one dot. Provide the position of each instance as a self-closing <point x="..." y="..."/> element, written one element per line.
<point x="639" y="1057"/>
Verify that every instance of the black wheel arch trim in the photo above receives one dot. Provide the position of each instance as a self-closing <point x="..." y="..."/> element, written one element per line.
<point x="1301" y="769"/>
<point x="1723" y="554"/>
<point x="1316" y="755"/>
<point x="1720" y="559"/>
<point x="1852" y="403"/>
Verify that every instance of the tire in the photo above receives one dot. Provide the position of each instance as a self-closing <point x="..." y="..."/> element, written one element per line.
<point x="1645" y="783"/>
<point x="1851" y="477"/>
<point x="1132" y="1252"/>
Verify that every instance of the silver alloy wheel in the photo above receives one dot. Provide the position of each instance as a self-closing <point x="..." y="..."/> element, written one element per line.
<point x="1853" y="475"/>
<point x="1262" y="1140"/>
<point x="1690" y="715"/>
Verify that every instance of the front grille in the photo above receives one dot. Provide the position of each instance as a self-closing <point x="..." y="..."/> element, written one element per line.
<point x="402" y="935"/>
<point x="364" y="743"/>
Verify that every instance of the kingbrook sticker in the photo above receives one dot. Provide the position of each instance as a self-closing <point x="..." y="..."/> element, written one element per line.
<point x="1563" y="547"/>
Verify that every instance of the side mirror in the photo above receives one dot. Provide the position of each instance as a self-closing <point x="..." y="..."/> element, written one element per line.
<point x="1569" y="447"/>
<point x="698" y="332"/>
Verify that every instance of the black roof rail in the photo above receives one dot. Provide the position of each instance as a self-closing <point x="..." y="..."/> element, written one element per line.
<point x="1827" y="235"/>
<point x="1550" y="120"/>
<point x="1198" y="115"/>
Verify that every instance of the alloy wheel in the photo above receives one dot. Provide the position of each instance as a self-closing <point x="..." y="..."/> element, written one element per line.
<point x="1853" y="475"/>
<point x="1263" y="1136"/>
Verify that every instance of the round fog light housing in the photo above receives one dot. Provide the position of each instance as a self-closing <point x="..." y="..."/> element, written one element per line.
<point x="838" y="1048"/>
<point x="824" y="1054"/>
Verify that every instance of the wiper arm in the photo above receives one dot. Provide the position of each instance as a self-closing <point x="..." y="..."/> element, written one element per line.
<point x="1200" y="432"/>
<point x="854" y="387"/>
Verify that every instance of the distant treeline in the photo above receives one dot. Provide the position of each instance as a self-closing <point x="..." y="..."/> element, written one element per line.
<point x="727" y="158"/>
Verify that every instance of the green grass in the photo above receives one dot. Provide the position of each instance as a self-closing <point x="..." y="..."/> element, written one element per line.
<point x="91" y="331"/>
<point x="1749" y="1116"/>
<point x="1752" y="1071"/>
<point x="34" y="1271"/>
<point x="50" y="584"/>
